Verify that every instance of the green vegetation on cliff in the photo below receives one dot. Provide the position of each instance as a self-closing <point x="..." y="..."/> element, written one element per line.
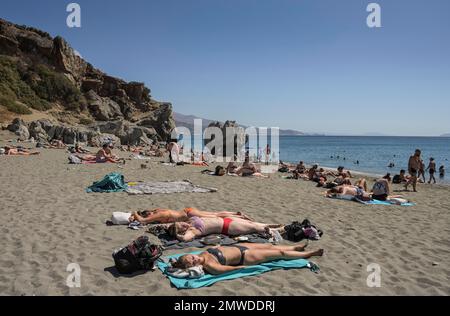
<point x="38" y="87"/>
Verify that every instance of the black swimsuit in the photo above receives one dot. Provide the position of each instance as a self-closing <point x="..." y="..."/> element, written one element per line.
<point x="220" y="257"/>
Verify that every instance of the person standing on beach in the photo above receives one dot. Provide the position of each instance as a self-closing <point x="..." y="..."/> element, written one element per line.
<point x="432" y="169"/>
<point x="267" y="152"/>
<point x="421" y="173"/>
<point x="174" y="150"/>
<point x="413" y="168"/>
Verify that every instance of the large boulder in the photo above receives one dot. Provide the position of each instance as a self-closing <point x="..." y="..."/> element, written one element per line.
<point x="8" y="45"/>
<point x="20" y="128"/>
<point x="99" y="139"/>
<point x="103" y="109"/>
<point x="91" y="84"/>
<point x="161" y="120"/>
<point x="38" y="132"/>
<point x="129" y="134"/>
<point x="233" y="139"/>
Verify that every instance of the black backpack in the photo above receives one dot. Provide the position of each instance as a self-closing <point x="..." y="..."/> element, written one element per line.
<point x="137" y="256"/>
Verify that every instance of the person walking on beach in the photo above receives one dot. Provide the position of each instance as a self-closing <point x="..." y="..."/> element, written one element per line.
<point x="421" y="173"/>
<point x="267" y="152"/>
<point x="413" y="168"/>
<point x="432" y="169"/>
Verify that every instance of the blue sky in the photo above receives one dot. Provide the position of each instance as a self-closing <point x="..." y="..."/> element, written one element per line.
<point x="310" y="65"/>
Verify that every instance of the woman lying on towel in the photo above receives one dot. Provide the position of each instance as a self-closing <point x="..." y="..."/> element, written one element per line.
<point x="203" y="226"/>
<point x="230" y="258"/>
<point x="170" y="216"/>
<point x="19" y="151"/>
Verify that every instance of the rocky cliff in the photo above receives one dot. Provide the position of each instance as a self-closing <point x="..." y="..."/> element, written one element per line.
<point x="39" y="73"/>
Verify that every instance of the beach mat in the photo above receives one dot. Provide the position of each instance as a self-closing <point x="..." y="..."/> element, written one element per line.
<point x="209" y="279"/>
<point x="373" y="202"/>
<point x="168" y="242"/>
<point x="167" y="187"/>
<point x="376" y="202"/>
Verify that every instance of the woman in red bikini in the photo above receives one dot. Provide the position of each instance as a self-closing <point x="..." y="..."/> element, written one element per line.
<point x="164" y="216"/>
<point x="231" y="226"/>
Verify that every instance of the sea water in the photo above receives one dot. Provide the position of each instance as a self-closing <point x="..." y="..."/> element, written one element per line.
<point x="374" y="154"/>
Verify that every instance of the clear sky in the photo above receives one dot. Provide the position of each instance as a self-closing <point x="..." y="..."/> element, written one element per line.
<point x="310" y="65"/>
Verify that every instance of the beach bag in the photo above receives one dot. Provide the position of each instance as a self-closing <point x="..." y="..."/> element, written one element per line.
<point x="137" y="256"/>
<point x="305" y="230"/>
<point x="120" y="218"/>
<point x="283" y="169"/>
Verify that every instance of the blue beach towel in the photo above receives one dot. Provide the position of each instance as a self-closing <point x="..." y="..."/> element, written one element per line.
<point x="113" y="182"/>
<point x="372" y="202"/>
<point x="209" y="279"/>
<point x="376" y="202"/>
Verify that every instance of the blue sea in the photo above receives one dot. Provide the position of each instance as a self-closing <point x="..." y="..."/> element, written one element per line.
<point x="373" y="153"/>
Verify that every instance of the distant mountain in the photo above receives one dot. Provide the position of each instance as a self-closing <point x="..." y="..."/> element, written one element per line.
<point x="445" y="135"/>
<point x="188" y="122"/>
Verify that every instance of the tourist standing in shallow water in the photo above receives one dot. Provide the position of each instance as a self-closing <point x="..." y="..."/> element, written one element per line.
<point x="441" y="171"/>
<point x="421" y="173"/>
<point x="432" y="169"/>
<point x="413" y="169"/>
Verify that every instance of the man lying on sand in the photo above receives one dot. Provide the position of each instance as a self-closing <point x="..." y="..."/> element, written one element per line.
<point x="172" y="216"/>
<point x="202" y="226"/>
<point x="18" y="151"/>
<point x="230" y="258"/>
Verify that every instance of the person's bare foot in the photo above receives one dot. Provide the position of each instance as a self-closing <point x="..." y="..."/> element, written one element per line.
<point x="318" y="253"/>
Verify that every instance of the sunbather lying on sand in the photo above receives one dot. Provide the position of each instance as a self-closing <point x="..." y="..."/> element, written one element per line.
<point x="80" y="150"/>
<point x="56" y="144"/>
<point x="171" y="216"/>
<point x="202" y="226"/>
<point x="248" y="169"/>
<point x="381" y="191"/>
<point x="11" y="151"/>
<point x="230" y="258"/>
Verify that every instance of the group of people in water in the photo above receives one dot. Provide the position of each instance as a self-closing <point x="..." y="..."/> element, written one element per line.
<point x="417" y="171"/>
<point x="190" y="223"/>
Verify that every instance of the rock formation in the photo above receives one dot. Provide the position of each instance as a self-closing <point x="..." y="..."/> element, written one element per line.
<point x="59" y="81"/>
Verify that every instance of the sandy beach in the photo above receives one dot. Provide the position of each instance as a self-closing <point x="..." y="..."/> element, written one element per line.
<point x="48" y="221"/>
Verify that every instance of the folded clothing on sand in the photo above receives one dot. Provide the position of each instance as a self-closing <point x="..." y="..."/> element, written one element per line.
<point x="209" y="279"/>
